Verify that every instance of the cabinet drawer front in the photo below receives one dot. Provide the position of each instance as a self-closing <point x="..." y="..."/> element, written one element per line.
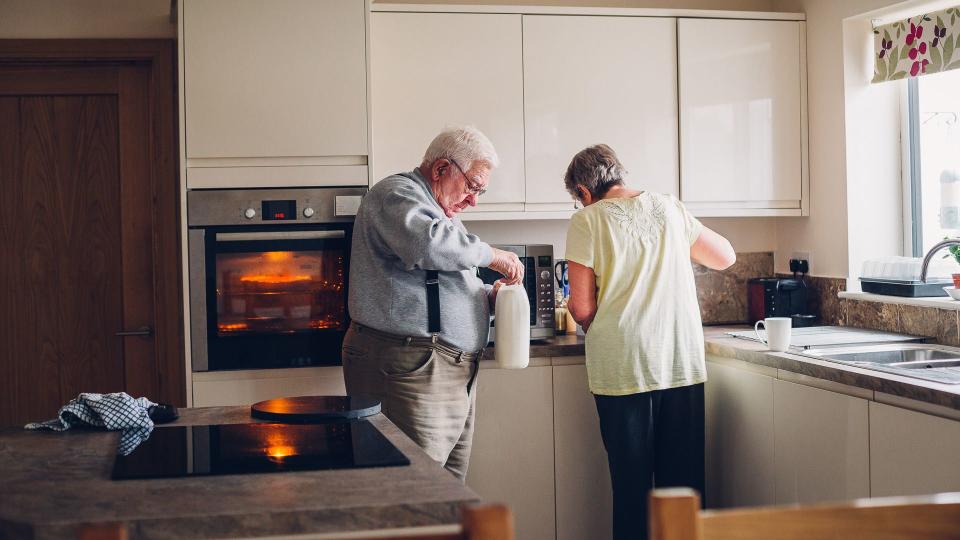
<point x="274" y="78"/>
<point x="430" y="71"/>
<point x="590" y="80"/>
<point x="740" y="110"/>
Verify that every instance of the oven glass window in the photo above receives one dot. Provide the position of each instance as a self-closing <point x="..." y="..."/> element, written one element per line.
<point x="279" y="291"/>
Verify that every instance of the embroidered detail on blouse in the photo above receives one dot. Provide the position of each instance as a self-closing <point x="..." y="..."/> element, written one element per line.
<point x="645" y="224"/>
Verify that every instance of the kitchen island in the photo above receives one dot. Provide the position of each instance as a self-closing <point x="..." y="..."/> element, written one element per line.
<point x="52" y="483"/>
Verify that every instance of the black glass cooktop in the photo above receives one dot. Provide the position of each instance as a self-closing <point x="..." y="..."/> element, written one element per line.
<point x="172" y="452"/>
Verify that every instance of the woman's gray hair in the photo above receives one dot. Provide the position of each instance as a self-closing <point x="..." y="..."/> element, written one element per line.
<point x="595" y="168"/>
<point x="464" y="145"/>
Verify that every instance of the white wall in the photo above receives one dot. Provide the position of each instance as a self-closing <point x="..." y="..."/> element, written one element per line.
<point x="854" y="141"/>
<point x="82" y="19"/>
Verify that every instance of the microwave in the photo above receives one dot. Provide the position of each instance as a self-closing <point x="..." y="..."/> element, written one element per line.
<point x="538" y="281"/>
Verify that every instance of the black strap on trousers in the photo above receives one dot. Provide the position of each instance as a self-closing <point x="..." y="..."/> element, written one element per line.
<point x="433" y="302"/>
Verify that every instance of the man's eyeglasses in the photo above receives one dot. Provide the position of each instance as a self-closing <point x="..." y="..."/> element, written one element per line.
<point x="473" y="188"/>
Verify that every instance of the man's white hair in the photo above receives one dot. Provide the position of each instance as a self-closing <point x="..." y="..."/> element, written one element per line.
<point x="464" y="145"/>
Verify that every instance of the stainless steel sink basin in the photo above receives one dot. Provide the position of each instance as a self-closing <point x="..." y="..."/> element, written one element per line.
<point x="896" y="356"/>
<point x="937" y="363"/>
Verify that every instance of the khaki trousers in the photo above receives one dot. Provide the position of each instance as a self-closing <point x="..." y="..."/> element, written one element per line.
<point x="427" y="389"/>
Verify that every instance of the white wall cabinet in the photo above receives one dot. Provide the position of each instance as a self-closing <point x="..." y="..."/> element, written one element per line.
<point x="590" y="80"/>
<point x="584" y="496"/>
<point x="742" y="117"/>
<point x="276" y="84"/>
<point x="434" y="70"/>
<point x="821" y="445"/>
<point x="512" y="457"/>
<point x="739" y="437"/>
<point x="912" y="453"/>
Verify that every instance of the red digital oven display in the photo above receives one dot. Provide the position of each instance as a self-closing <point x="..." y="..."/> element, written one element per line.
<point x="278" y="210"/>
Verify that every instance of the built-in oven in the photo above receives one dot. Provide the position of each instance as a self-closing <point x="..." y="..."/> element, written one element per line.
<point x="268" y="276"/>
<point x="537" y="260"/>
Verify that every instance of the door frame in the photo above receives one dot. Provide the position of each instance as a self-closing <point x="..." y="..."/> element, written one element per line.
<point x="160" y="56"/>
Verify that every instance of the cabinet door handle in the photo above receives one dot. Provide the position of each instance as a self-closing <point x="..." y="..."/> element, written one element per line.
<point x="142" y="331"/>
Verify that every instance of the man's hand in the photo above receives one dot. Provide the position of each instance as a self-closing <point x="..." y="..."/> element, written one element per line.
<point x="508" y="264"/>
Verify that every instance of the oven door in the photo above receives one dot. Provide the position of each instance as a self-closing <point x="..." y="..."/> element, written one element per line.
<point x="272" y="298"/>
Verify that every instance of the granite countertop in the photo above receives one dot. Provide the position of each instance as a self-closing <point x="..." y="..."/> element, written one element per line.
<point x="719" y="344"/>
<point x="569" y="349"/>
<point x="52" y="482"/>
<point x="561" y="345"/>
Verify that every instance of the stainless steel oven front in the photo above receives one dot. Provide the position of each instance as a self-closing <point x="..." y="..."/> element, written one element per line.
<point x="268" y="276"/>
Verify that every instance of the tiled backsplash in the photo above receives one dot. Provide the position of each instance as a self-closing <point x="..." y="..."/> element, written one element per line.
<point x="723" y="295"/>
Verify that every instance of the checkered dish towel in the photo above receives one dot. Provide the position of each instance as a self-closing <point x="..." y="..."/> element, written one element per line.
<point x="115" y="412"/>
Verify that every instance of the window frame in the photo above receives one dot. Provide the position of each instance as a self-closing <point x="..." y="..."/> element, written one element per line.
<point x="910" y="144"/>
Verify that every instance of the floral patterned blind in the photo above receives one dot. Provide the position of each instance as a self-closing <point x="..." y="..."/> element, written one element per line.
<point x="917" y="46"/>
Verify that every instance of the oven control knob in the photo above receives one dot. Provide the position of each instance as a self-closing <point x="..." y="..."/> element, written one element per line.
<point x="545" y="274"/>
<point x="308" y="212"/>
<point x="249" y="213"/>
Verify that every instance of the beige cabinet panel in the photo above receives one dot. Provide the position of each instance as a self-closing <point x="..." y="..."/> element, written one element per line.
<point x="821" y="445"/>
<point x="435" y="70"/>
<point x="739" y="437"/>
<point x="224" y="388"/>
<point x="512" y="457"/>
<point x="912" y="453"/>
<point x="590" y="80"/>
<point x="584" y="496"/>
<point x="274" y="78"/>
<point x="740" y="113"/>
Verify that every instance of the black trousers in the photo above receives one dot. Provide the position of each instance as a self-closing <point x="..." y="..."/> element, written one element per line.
<point x="652" y="439"/>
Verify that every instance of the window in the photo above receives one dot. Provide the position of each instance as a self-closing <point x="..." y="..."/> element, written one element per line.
<point x="933" y="130"/>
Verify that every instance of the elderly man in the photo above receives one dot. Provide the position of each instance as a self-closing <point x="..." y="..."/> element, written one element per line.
<point x="420" y="313"/>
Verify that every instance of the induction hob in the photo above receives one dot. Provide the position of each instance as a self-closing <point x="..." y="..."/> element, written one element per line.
<point x="172" y="452"/>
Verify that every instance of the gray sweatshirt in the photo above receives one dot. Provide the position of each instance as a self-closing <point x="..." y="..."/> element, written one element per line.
<point x="399" y="233"/>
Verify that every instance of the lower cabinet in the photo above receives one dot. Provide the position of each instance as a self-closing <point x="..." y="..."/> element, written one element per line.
<point x="245" y="387"/>
<point x="739" y="437"/>
<point x="821" y="445"/>
<point x="772" y="441"/>
<point x="512" y="458"/>
<point x="584" y="497"/>
<point x="912" y="453"/>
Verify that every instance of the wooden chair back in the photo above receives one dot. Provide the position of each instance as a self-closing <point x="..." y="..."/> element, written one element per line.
<point x="675" y="515"/>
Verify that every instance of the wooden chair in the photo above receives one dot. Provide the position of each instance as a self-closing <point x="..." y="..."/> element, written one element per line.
<point x="675" y="515"/>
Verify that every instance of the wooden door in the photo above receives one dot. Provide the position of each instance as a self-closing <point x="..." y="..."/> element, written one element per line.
<point x="88" y="209"/>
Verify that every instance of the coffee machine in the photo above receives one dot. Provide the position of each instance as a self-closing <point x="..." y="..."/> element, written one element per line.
<point x="778" y="297"/>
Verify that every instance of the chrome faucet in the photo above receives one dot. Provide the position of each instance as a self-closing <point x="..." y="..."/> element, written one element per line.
<point x="929" y="255"/>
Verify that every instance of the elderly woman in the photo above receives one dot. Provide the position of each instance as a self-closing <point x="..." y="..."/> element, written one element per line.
<point x="632" y="290"/>
<point x="420" y="313"/>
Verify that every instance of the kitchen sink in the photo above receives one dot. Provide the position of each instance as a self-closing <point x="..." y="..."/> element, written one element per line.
<point x="937" y="363"/>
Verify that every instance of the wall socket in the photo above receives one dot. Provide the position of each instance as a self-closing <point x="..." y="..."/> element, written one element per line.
<point x="803" y="256"/>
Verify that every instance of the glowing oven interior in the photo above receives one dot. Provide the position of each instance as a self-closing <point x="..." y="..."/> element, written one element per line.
<point x="279" y="291"/>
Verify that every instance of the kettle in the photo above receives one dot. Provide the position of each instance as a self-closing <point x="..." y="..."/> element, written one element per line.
<point x="512" y="340"/>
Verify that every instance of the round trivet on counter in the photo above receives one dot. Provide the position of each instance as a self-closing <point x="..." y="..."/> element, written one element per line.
<point x="307" y="409"/>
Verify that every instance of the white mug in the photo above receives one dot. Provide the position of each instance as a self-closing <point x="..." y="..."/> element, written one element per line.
<point x="778" y="332"/>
